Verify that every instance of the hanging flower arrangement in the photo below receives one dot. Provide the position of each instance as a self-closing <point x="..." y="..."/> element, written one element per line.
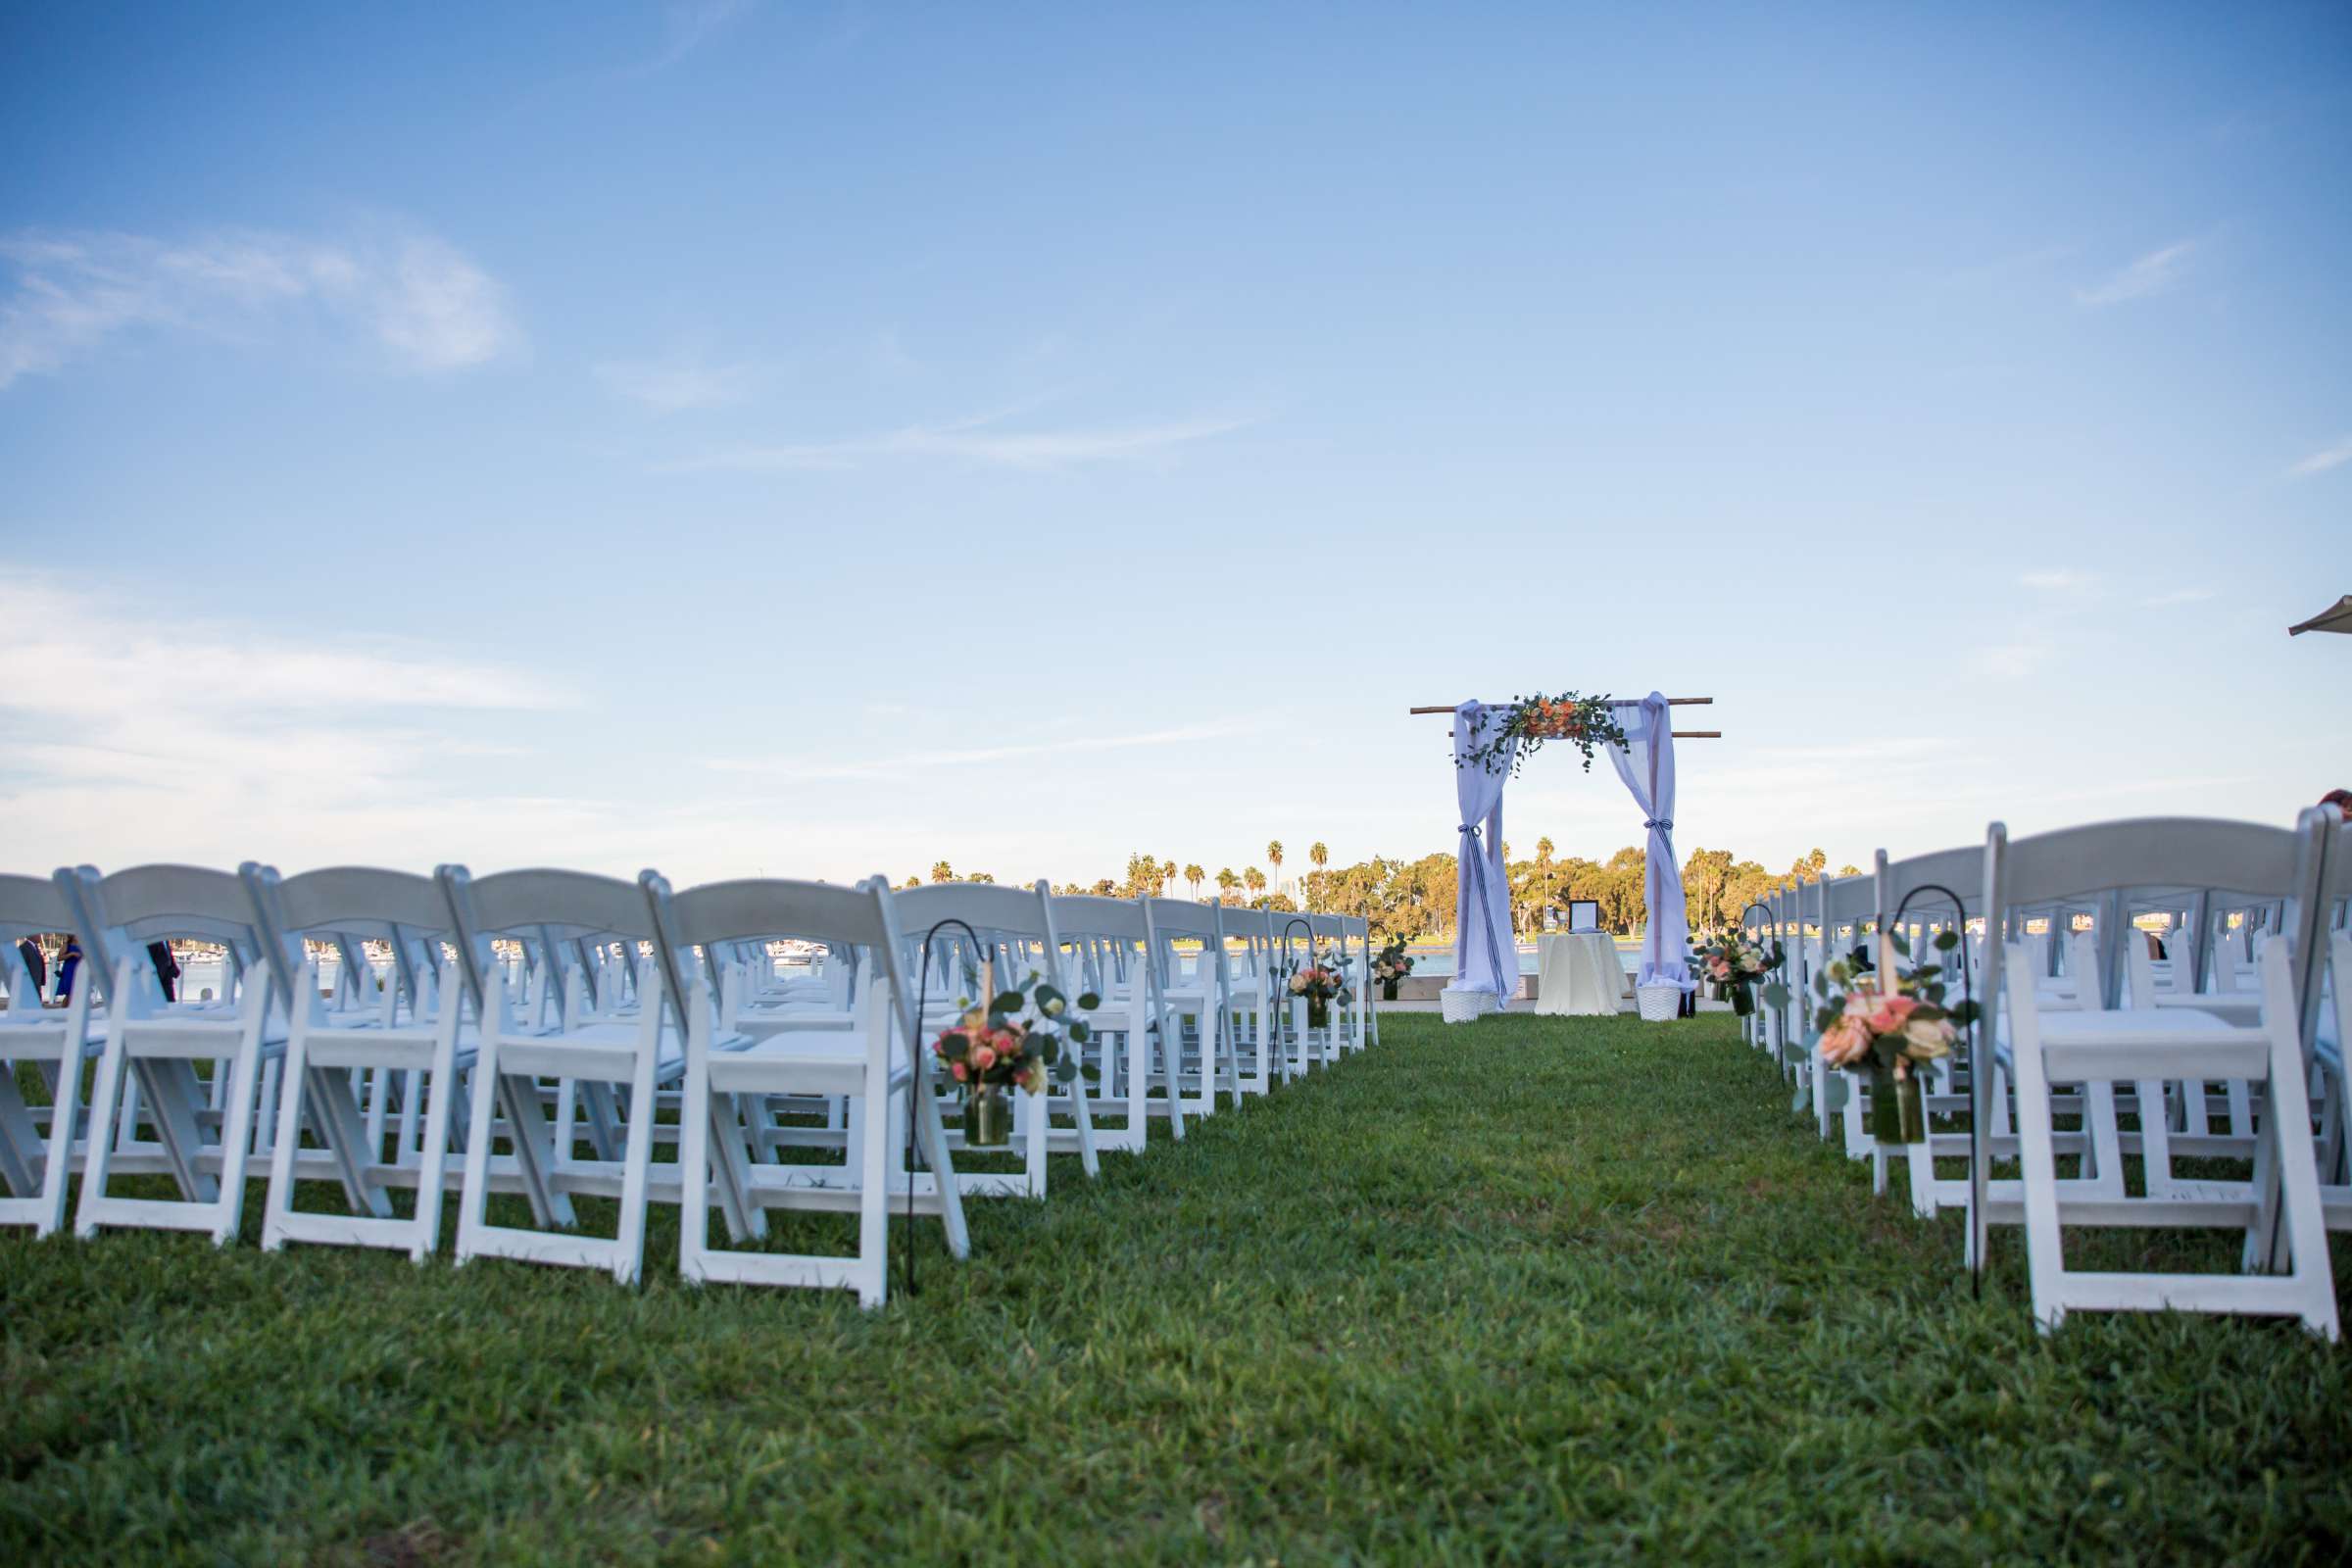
<point x="1390" y="965"/>
<point x="1732" y="964"/>
<point x="1014" y="1042"/>
<point x="1889" y="1033"/>
<point x="1321" y="982"/>
<point x="1585" y="722"/>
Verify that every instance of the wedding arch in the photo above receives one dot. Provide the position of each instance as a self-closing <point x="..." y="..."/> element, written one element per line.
<point x="1491" y="742"/>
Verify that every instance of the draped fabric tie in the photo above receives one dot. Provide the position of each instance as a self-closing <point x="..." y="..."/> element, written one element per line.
<point x="1660" y="824"/>
<point x="1478" y="869"/>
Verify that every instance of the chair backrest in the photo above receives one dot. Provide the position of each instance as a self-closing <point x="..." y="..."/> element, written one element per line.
<point x="549" y="909"/>
<point x="996" y="913"/>
<point x="763" y="908"/>
<point x="1087" y="915"/>
<point x="2171" y="852"/>
<point x="29" y="906"/>
<point x="1846" y="901"/>
<point x="1961" y="871"/>
<point x="117" y="914"/>
<point x="345" y="901"/>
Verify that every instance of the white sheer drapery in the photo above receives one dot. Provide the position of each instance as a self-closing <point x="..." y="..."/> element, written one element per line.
<point x="1645" y="761"/>
<point x="1486" y="959"/>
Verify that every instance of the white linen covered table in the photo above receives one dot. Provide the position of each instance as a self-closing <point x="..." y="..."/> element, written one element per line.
<point x="1577" y="972"/>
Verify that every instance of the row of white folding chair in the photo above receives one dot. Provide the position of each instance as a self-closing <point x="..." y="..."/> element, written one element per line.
<point x="156" y="1044"/>
<point x="2098" y="1194"/>
<point x="580" y="946"/>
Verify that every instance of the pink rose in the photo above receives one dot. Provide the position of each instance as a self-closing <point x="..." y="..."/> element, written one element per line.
<point x="1891" y="1013"/>
<point x="958" y="1068"/>
<point x="983" y="1057"/>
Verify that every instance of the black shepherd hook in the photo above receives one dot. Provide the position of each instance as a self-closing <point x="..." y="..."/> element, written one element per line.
<point x="914" y="1054"/>
<point x="1976" y="1121"/>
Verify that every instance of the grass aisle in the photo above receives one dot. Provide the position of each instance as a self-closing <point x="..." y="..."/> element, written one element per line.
<point x="1536" y="1288"/>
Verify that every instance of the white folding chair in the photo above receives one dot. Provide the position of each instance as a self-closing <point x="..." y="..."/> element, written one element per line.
<point x="2097" y="1047"/>
<point x="869" y="1062"/>
<point x="548" y="910"/>
<point x="1015" y="932"/>
<point x="410" y="1037"/>
<point x="36" y="1163"/>
<point x="1129" y="1024"/>
<point x="157" y="1043"/>
<point x="1200" y="998"/>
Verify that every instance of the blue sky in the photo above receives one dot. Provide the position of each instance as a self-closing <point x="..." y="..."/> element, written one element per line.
<point x="815" y="439"/>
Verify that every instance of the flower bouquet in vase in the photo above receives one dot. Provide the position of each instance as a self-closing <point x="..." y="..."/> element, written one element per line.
<point x="1322" y="983"/>
<point x="1390" y="965"/>
<point x="1889" y="1024"/>
<point x="1017" y="1040"/>
<point x="1732" y="964"/>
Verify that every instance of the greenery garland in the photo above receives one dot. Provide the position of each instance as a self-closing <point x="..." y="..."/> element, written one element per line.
<point x="1585" y="722"/>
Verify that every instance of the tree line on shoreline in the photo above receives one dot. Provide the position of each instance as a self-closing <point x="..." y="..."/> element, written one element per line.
<point x="1415" y="899"/>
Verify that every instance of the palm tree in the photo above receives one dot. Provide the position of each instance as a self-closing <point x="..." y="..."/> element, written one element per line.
<point x="1274" y="857"/>
<point x="1254" y="880"/>
<point x="1543" y="865"/>
<point x="1317" y="852"/>
<point x="1194" y="874"/>
<point x="1226" y="880"/>
<point x="942" y="871"/>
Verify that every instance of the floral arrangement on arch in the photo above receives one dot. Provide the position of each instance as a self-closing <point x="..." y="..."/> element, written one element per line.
<point x="1889" y="1033"/>
<point x="1585" y="722"/>
<point x="1015" y="1041"/>
<point x="1732" y="964"/>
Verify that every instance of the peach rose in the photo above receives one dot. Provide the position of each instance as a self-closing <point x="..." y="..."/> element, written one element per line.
<point x="1845" y="1041"/>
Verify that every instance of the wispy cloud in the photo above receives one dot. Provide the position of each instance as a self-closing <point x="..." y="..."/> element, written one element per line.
<point x="2151" y="274"/>
<point x="129" y="728"/>
<point x="972" y="442"/>
<point x="2179" y="596"/>
<point x="2319" y="462"/>
<point x="425" y="306"/>
<point x="911" y="765"/>
<point x="672" y="385"/>
<point x="2057" y="581"/>
<point x="685" y="25"/>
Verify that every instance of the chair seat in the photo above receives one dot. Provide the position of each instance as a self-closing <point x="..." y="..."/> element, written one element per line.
<point x="804" y="1061"/>
<point x="2151" y="1042"/>
<point x="2243" y="1008"/>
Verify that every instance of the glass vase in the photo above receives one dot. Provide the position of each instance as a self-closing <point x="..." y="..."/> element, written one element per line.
<point x="987" y="1116"/>
<point x="1896" y="1113"/>
<point x="1318" y="1012"/>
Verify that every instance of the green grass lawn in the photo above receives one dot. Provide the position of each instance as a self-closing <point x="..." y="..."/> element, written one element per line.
<point x="1537" y="1288"/>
